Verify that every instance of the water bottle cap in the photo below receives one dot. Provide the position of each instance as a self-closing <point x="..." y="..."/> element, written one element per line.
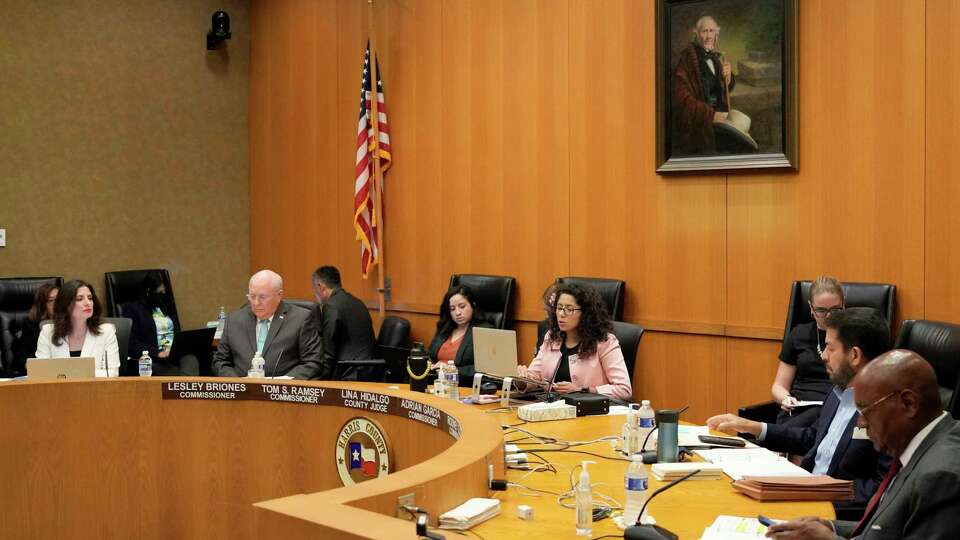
<point x="638" y="457"/>
<point x="645" y="403"/>
<point x="145" y="353"/>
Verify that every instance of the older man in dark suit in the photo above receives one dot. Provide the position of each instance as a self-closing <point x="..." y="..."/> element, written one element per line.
<point x="899" y="404"/>
<point x="286" y="336"/>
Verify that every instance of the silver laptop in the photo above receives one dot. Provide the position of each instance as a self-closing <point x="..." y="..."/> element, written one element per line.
<point x="495" y="351"/>
<point x="45" y="369"/>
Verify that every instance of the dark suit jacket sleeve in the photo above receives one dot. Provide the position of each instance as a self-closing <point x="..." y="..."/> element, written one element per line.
<point x="866" y="482"/>
<point x="795" y="440"/>
<point x="328" y="332"/>
<point x="311" y="352"/>
<point x="222" y="365"/>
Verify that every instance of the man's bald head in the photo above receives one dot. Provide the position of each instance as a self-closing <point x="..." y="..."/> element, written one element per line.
<point x="897" y="394"/>
<point x="265" y="292"/>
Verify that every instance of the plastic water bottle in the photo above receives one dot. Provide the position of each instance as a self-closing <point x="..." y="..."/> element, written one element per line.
<point x="635" y="488"/>
<point x="451" y="377"/>
<point x="646" y="422"/>
<point x="256" y="367"/>
<point x="631" y="431"/>
<point x="584" y="500"/>
<point x="146" y="365"/>
<point x="221" y="323"/>
<point x="440" y="384"/>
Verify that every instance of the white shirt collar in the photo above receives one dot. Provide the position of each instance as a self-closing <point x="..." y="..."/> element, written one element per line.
<point x="918" y="438"/>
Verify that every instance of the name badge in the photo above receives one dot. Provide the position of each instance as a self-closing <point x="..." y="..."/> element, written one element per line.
<point x="860" y="433"/>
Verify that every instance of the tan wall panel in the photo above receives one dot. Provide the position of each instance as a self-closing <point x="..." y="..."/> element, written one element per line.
<point x="751" y="367"/>
<point x="124" y="145"/>
<point x="942" y="291"/>
<point x="677" y="370"/>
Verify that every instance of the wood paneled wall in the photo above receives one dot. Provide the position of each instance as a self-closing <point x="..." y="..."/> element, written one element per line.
<point x="523" y="144"/>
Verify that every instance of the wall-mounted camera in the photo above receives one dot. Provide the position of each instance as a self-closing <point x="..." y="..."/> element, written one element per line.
<point x="219" y="31"/>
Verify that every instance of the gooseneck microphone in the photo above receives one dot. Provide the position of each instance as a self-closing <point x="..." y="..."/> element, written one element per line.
<point x="653" y="532"/>
<point x="276" y="364"/>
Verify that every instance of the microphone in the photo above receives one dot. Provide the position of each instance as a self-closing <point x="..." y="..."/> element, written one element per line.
<point x="277" y="363"/>
<point x="653" y="532"/>
<point x="548" y="395"/>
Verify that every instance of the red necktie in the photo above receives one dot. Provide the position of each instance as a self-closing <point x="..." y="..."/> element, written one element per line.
<point x="872" y="506"/>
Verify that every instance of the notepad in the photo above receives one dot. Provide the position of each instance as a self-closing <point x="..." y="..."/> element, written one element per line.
<point x="734" y="528"/>
<point x="739" y="462"/>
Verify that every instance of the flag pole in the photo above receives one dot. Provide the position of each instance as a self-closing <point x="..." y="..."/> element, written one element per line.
<point x="377" y="190"/>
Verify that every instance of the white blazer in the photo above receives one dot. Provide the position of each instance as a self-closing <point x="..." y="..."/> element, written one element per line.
<point x="93" y="346"/>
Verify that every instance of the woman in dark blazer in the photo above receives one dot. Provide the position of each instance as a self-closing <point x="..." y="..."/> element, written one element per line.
<point x="145" y="334"/>
<point x="459" y="314"/>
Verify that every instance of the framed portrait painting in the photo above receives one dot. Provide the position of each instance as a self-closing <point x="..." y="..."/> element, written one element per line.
<point x="726" y="85"/>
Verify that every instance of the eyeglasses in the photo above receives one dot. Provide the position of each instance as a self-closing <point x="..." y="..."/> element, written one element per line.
<point x="863" y="410"/>
<point x="821" y="312"/>
<point x="259" y="297"/>
<point x="567" y="310"/>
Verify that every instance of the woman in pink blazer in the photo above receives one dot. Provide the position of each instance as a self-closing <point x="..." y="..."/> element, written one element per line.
<point x="579" y="353"/>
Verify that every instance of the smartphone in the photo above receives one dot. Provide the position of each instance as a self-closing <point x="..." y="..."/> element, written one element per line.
<point x="722" y="441"/>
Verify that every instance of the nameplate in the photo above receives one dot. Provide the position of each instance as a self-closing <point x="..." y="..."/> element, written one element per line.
<point x="361" y="400"/>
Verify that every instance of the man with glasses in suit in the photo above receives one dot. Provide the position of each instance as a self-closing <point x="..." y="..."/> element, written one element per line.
<point x="898" y="404"/>
<point x="285" y="336"/>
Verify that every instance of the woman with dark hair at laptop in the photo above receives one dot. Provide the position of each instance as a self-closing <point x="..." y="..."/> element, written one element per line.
<point x="459" y="313"/>
<point x="79" y="331"/>
<point x="153" y="329"/>
<point x="579" y="352"/>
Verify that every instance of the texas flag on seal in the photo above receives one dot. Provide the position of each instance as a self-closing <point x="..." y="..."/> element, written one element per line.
<point x="363" y="459"/>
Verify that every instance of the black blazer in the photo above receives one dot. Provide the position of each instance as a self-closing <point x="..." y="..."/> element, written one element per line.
<point x="143" y="331"/>
<point x="464" y="358"/>
<point x="347" y="328"/>
<point x="855" y="460"/>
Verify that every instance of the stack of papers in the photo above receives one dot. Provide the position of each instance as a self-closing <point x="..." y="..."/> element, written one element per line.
<point x="739" y="462"/>
<point x="668" y="472"/>
<point x="804" y="488"/>
<point x="470" y="513"/>
<point x="734" y="528"/>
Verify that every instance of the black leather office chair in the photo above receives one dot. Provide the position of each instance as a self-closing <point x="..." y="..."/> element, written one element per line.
<point x="125" y="286"/>
<point x="628" y="335"/>
<point x="939" y="343"/>
<point x="391" y="348"/>
<point x="494" y="295"/>
<point x="879" y="296"/>
<point x="16" y="299"/>
<point x="128" y="366"/>
<point x="612" y="291"/>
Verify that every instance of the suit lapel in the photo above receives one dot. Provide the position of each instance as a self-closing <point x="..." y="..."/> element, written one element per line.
<point x="933" y="437"/>
<point x="830" y="407"/>
<point x="842" y="445"/>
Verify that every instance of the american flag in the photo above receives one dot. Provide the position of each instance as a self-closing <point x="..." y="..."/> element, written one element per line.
<point x="365" y="220"/>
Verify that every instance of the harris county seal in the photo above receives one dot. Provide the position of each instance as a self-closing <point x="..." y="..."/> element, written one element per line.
<point x="362" y="452"/>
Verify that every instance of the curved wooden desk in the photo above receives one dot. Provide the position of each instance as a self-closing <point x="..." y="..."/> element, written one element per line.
<point x="135" y="458"/>
<point x="142" y="458"/>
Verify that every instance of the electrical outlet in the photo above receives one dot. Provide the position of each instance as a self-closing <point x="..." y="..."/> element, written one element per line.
<point x="3" y="238"/>
<point x="410" y="499"/>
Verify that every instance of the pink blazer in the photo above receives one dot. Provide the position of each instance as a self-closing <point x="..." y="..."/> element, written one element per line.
<point x="603" y="371"/>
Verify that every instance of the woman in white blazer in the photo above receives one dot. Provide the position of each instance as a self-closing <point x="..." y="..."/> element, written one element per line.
<point x="77" y="330"/>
